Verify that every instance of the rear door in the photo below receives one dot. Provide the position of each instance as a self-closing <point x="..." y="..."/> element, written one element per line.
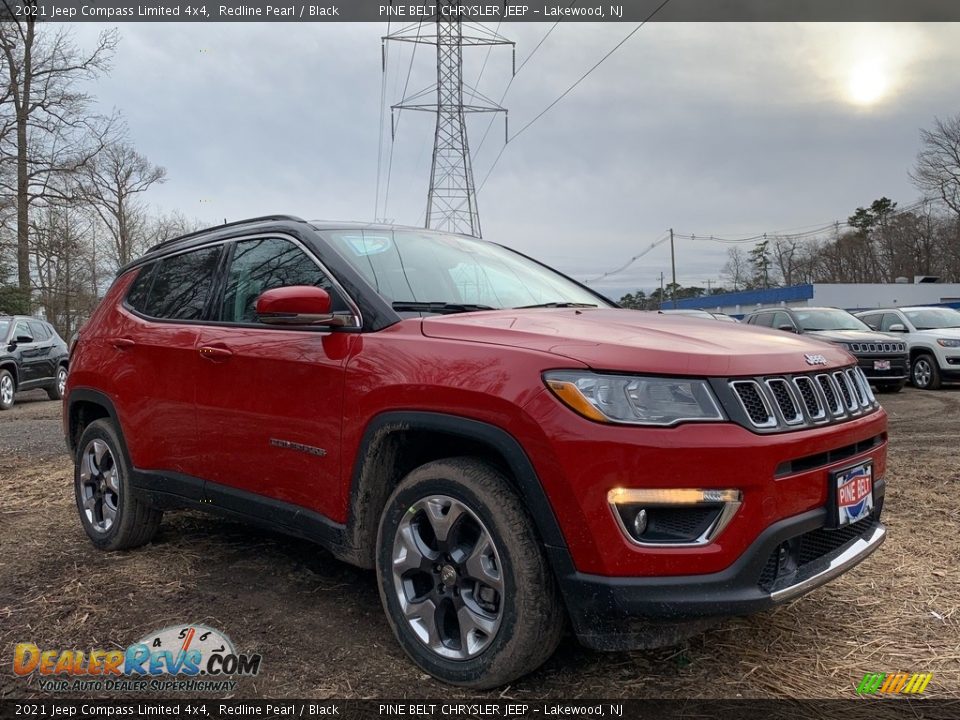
<point x="152" y="356"/>
<point x="44" y="347"/>
<point x="270" y="399"/>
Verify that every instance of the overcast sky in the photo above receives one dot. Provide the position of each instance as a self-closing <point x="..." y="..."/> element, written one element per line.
<point x="728" y="129"/>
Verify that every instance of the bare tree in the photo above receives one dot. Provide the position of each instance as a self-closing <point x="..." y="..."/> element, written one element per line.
<point x="937" y="171"/>
<point x="737" y="269"/>
<point x="111" y="184"/>
<point x="47" y="130"/>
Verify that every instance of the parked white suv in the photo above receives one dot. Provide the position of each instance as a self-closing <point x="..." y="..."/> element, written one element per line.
<point x="933" y="338"/>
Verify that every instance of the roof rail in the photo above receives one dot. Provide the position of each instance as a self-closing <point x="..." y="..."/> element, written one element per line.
<point x="262" y="218"/>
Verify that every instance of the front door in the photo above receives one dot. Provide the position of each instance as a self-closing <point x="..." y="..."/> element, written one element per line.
<point x="270" y="399"/>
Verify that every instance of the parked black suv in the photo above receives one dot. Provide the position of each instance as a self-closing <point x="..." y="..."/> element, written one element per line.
<point x="882" y="359"/>
<point x="32" y="355"/>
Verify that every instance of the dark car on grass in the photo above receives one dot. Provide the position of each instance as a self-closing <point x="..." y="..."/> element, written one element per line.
<point x="883" y="360"/>
<point x="32" y="355"/>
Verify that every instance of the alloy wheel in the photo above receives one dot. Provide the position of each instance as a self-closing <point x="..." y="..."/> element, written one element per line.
<point x="99" y="485"/>
<point x="922" y="373"/>
<point x="61" y="381"/>
<point x="6" y="390"/>
<point x="447" y="577"/>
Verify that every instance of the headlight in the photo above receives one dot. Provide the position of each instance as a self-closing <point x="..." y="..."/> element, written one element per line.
<point x="634" y="400"/>
<point x="948" y="342"/>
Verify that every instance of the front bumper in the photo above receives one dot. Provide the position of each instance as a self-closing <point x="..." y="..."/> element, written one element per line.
<point x="899" y="368"/>
<point x="618" y="613"/>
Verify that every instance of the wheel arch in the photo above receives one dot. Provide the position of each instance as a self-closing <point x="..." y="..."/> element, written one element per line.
<point x="394" y="443"/>
<point x="11" y="366"/>
<point x="84" y="406"/>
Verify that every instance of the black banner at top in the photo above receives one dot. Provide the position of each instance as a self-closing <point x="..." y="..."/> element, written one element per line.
<point x="403" y="11"/>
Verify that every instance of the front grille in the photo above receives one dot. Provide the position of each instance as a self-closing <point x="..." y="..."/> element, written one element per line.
<point x="793" y="402"/>
<point x="791" y="557"/>
<point x="874" y="348"/>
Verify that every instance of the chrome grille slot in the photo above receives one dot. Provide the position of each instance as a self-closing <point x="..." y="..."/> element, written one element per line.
<point x="854" y="378"/>
<point x="811" y="400"/>
<point x="789" y="409"/>
<point x="865" y="384"/>
<point x="846" y="392"/>
<point x="754" y="403"/>
<point x="830" y="392"/>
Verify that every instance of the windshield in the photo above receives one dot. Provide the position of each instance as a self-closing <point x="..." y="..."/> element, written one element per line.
<point x="407" y="266"/>
<point x="828" y="320"/>
<point x="933" y="318"/>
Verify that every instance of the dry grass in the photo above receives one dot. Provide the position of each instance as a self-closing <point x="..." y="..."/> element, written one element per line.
<point x="319" y="624"/>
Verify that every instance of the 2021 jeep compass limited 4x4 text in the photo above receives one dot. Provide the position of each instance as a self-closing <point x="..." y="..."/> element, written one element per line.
<point x="509" y="450"/>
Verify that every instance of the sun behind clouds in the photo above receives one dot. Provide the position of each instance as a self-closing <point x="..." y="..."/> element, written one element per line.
<point x="868" y="82"/>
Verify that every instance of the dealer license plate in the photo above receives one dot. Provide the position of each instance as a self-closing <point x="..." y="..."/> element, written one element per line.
<point x="854" y="493"/>
<point x="881" y="364"/>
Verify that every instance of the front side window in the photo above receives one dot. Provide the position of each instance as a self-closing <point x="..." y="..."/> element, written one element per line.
<point x="181" y="285"/>
<point x="4" y="327"/>
<point x="264" y="264"/>
<point x="763" y="320"/>
<point x="407" y="266"/>
<point x="888" y="320"/>
<point x="23" y="331"/>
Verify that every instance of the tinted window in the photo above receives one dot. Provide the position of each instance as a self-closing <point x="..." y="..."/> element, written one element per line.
<point x="38" y="331"/>
<point x="763" y="319"/>
<point x="264" y="264"/>
<point x="137" y="295"/>
<point x="4" y="326"/>
<point x="781" y="319"/>
<point x="888" y="320"/>
<point x="23" y="330"/>
<point x="872" y="320"/>
<point x="181" y="285"/>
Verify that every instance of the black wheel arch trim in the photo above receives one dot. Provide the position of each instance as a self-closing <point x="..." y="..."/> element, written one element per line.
<point x="366" y="501"/>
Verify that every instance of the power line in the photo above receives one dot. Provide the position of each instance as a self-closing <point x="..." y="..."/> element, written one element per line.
<point x="393" y="129"/>
<point x="570" y="89"/>
<point x="383" y="102"/>
<point x="656" y="243"/>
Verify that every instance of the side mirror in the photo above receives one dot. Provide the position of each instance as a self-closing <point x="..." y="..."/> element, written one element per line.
<point x="787" y="328"/>
<point x="23" y="339"/>
<point x="897" y="327"/>
<point x="296" y="305"/>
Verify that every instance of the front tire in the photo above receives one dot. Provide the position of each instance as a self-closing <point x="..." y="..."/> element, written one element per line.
<point x="111" y="514"/>
<point x="8" y="388"/>
<point x="924" y="373"/>
<point x="463" y="579"/>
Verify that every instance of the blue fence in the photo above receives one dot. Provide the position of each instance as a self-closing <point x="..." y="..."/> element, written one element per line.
<point x="747" y="298"/>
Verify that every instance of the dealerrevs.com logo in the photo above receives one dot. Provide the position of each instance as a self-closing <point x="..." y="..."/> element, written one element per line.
<point x="179" y="658"/>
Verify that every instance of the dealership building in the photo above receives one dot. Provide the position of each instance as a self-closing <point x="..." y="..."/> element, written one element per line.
<point x="850" y="296"/>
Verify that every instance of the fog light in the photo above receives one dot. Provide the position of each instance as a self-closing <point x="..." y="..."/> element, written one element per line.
<point x="640" y="522"/>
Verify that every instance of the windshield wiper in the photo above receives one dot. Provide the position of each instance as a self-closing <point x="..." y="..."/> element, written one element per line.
<point x="554" y="305"/>
<point x="440" y="308"/>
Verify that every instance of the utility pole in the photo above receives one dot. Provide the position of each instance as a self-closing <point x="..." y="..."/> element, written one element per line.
<point x="709" y="289"/>
<point x="673" y="266"/>
<point x="451" y="198"/>
<point x="661" y="291"/>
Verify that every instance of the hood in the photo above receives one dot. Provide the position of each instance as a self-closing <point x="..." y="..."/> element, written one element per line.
<point x="634" y="341"/>
<point x="858" y="336"/>
<point x="950" y="333"/>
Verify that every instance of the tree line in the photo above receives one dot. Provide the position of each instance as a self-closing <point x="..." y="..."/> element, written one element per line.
<point x="878" y="244"/>
<point x="72" y="183"/>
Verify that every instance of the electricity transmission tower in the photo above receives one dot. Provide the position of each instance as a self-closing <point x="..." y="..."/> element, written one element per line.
<point x="451" y="199"/>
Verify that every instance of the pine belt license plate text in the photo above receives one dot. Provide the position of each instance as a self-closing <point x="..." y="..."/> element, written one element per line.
<point x="881" y="364"/>
<point x="854" y="493"/>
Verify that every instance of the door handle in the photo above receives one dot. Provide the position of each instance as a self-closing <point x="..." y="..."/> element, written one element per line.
<point x="215" y="353"/>
<point x="122" y="343"/>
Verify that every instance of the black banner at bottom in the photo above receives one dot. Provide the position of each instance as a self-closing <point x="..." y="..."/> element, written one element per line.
<point x="866" y="707"/>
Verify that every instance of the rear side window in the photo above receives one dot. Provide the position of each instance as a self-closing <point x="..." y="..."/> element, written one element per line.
<point x="39" y="331"/>
<point x="140" y="290"/>
<point x="181" y="285"/>
<point x="267" y="263"/>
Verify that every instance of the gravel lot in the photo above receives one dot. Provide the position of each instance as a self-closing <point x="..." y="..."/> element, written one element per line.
<point x="319" y="625"/>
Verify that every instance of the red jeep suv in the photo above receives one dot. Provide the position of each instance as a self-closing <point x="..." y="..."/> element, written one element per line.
<point x="509" y="450"/>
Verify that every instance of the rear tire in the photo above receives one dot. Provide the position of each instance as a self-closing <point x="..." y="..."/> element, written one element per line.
<point x="472" y="599"/>
<point x="55" y="391"/>
<point x="925" y="373"/>
<point x="8" y="388"/>
<point x="111" y="514"/>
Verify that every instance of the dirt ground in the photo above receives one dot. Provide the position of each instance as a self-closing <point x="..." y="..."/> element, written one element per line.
<point x="321" y="631"/>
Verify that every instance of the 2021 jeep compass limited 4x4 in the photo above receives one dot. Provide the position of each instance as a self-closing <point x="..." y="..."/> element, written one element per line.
<point x="508" y="449"/>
